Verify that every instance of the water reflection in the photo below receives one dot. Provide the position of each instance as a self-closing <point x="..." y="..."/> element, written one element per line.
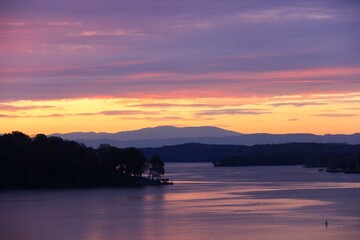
<point x="205" y="203"/>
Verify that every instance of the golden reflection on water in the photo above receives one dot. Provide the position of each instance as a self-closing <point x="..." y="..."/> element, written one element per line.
<point x="235" y="203"/>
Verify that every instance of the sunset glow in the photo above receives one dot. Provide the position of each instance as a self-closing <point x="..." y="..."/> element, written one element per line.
<point x="121" y="65"/>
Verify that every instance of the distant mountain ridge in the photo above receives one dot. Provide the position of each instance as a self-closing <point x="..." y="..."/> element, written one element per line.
<point x="169" y="135"/>
<point x="161" y="132"/>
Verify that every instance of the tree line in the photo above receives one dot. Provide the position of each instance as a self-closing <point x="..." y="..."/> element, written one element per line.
<point x="340" y="157"/>
<point x="333" y="156"/>
<point x="301" y="153"/>
<point x="42" y="162"/>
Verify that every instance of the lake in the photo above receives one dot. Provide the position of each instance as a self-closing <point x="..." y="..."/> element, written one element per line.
<point x="272" y="202"/>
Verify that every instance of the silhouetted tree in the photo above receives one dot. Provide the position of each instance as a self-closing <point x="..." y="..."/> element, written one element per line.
<point x="13" y="147"/>
<point x="134" y="162"/>
<point x="111" y="158"/>
<point x="156" y="167"/>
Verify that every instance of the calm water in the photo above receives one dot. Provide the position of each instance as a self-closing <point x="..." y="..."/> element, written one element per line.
<point x="287" y="202"/>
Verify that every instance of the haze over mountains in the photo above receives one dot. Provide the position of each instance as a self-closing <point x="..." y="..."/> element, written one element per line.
<point x="169" y="135"/>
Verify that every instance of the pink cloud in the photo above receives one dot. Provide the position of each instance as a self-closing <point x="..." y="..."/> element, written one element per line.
<point x="107" y="33"/>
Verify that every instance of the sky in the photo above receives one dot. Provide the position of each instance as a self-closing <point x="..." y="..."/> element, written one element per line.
<point x="245" y="65"/>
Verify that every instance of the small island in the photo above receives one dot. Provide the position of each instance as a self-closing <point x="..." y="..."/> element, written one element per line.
<point x="52" y="162"/>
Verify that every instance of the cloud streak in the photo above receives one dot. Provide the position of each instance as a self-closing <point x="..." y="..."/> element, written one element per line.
<point x="176" y="105"/>
<point x="335" y="115"/>
<point x="298" y="104"/>
<point x="289" y="13"/>
<point x="105" y="113"/>
<point x="115" y="80"/>
<point x="232" y="112"/>
<point x="12" y="108"/>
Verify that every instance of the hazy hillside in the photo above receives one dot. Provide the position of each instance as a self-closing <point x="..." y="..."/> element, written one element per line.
<point x="161" y="132"/>
<point x="167" y="136"/>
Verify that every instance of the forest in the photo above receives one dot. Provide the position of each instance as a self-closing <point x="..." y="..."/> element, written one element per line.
<point x="333" y="156"/>
<point x="51" y="162"/>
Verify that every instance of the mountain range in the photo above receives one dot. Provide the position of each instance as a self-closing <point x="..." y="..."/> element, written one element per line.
<point x="169" y="135"/>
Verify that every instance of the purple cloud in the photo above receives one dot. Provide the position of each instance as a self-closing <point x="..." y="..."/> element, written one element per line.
<point x="298" y="104"/>
<point x="103" y="48"/>
<point x="12" y="108"/>
<point x="107" y="113"/>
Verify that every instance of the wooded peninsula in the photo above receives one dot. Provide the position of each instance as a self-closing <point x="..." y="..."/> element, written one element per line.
<point x="51" y="162"/>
